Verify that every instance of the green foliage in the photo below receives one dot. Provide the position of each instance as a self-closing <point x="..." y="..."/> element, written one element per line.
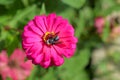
<point x="80" y="22"/>
<point x="22" y="15"/>
<point x="6" y="2"/>
<point x="49" y="75"/>
<point x="115" y="57"/>
<point x="43" y="10"/>
<point x="74" y="3"/>
<point x="106" y="32"/>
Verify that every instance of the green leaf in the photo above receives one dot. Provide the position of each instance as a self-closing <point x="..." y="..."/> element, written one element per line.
<point x="32" y="75"/>
<point x="6" y="2"/>
<point x="74" y="3"/>
<point x="68" y="14"/>
<point x="4" y="19"/>
<point x="49" y="75"/>
<point x="116" y="57"/>
<point x="2" y="42"/>
<point x="8" y="78"/>
<point x="57" y="6"/>
<point x="80" y="25"/>
<point x="25" y="2"/>
<point x="12" y="44"/>
<point x="21" y="15"/>
<point x="112" y="9"/>
<point x="4" y="34"/>
<point x="82" y="75"/>
<point x="88" y="15"/>
<point x="106" y="31"/>
<point x="43" y="10"/>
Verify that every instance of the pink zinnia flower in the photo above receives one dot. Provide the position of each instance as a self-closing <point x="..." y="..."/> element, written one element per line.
<point x="14" y="67"/>
<point x="46" y="39"/>
<point x="99" y="24"/>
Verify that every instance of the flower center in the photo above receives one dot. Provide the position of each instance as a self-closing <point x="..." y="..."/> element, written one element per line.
<point x="12" y="64"/>
<point x="50" y="38"/>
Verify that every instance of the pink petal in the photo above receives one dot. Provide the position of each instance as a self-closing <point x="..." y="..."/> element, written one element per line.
<point x="57" y="59"/>
<point x="18" y="55"/>
<point x="50" y="20"/>
<point x="71" y="46"/>
<point x="26" y="67"/>
<point x="57" y="22"/>
<point x="13" y="74"/>
<point x="47" y="57"/>
<point x="62" y="25"/>
<point x="26" y="45"/>
<point x="41" y="23"/>
<point x="34" y="50"/>
<point x="99" y="24"/>
<point x="3" y="57"/>
<point x="5" y="73"/>
<point x="67" y="42"/>
<point x="69" y="39"/>
<point x="68" y="31"/>
<point x="4" y="68"/>
<point x="59" y="50"/>
<point x="62" y="44"/>
<point x="31" y="34"/>
<point x="38" y="59"/>
<point x="17" y="74"/>
<point x="33" y="27"/>
<point x="31" y="40"/>
<point x="68" y="51"/>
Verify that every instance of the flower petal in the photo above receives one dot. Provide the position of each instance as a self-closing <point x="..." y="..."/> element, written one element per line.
<point x="30" y="34"/>
<point x="68" y="31"/>
<point x="31" y="40"/>
<point x="50" y="20"/>
<point x="27" y="65"/>
<point x="68" y="51"/>
<point x="41" y="22"/>
<point x="57" y="22"/>
<point x="3" y="57"/>
<point x="57" y="59"/>
<point x="33" y="27"/>
<point x="34" y="50"/>
<point x="38" y="59"/>
<point x="26" y="45"/>
<point x="18" y="56"/>
<point x="47" y="57"/>
<point x="69" y="39"/>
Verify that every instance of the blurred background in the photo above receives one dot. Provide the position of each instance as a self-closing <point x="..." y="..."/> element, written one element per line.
<point x="97" y="26"/>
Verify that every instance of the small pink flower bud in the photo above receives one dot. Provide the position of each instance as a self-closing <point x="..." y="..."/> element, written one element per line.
<point x="99" y="24"/>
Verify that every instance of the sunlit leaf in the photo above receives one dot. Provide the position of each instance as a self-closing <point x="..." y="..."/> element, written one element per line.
<point x="6" y="2"/>
<point x="74" y="3"/>
<point x="43" y="10"/>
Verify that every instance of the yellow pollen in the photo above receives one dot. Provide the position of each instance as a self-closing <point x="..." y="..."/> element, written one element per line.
<point x="47" y="35"/>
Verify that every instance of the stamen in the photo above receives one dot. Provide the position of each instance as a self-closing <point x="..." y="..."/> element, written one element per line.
<point x="50" y="38"/>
